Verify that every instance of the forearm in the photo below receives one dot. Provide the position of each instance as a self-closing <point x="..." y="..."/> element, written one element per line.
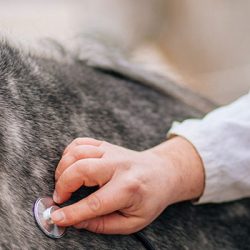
<point x="189" y="178"/>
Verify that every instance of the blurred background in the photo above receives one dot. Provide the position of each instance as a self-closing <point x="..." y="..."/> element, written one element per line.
<point x="203" y="45"/>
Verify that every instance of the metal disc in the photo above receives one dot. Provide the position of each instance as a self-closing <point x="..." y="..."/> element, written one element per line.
<point x="43" y="208"/>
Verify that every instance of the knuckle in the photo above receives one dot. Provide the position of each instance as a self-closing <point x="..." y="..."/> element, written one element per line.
<point x="66" y="160"/>
<point x="77" y="152"/>
<point x="124" y="166"/>
<point x="99" y="226"/>
<point x="64" y="184"/>
<point x="77" y="141"/>
<point x="134" y="185"/>
<point x="94" y="204"/>
<point x="104" y="144"/>
<point x="69" y="187"/>
<point x="83" y="167"/>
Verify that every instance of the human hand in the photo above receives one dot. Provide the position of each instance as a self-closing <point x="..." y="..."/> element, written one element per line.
<point x="135" y="187"/>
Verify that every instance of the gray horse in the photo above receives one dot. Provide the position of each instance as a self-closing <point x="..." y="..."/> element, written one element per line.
<point x="45" y="103"/>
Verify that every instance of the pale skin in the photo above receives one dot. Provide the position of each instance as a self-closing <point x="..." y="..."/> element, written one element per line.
<point x="135" y="187"/>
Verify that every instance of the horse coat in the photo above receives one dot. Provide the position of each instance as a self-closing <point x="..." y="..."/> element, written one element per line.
<point x="45" y="103"/>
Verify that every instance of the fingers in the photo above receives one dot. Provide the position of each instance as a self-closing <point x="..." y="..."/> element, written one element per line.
<point x="76" y="153"/>
<point x="82" y="141"/>
<point x="114" y="223"/>
<point x="106" y="200"/>
<point x="86" y="172"/>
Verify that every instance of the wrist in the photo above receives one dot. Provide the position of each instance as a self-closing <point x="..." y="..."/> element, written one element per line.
<point x="187" y="167"/>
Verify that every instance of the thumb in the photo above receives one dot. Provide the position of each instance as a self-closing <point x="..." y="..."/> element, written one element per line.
<point x="114" y="223"/>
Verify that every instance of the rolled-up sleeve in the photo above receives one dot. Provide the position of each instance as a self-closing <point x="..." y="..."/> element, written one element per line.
<point x="222" y="138"/>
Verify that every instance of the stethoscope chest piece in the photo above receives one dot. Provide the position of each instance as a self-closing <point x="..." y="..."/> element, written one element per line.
<point x="43" y="208"/>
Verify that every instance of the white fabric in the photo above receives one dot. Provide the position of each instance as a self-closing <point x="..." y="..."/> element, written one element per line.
<point x="222" y="138"/>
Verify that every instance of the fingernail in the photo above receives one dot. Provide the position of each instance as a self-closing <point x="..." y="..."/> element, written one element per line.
<point x="56" y="198"/>
<point x="57" y="216"/>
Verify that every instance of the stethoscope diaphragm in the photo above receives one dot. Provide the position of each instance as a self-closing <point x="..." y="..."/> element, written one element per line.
<point x="43" y="208"/>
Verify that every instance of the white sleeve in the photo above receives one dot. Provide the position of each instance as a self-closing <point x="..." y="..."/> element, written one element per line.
<point x="222" y="138"/>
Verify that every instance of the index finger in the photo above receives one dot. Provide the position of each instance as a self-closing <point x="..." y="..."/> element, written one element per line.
<point x="106" y="200"/>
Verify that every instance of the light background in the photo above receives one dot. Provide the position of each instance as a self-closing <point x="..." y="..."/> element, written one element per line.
<point x="204" y="45"/>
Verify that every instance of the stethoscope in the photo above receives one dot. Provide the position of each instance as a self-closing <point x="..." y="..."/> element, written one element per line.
<point x="42" y="210"/>
<point x="44" y="207"/>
